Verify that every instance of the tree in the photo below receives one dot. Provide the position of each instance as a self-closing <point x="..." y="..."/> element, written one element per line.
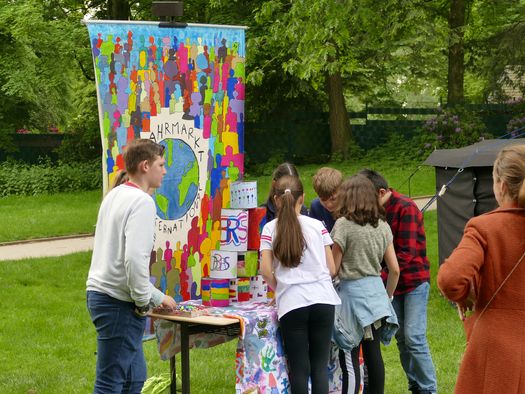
<point x="35" y="68"/>
<point x="495" y="43"/>
<point x="331" y="44"/>
<point x="483" y="38"/>
<point x="456" y="52"/>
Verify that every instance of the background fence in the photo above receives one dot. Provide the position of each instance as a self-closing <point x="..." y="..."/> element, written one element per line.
<point x="303" y="137"/>
<point x="306" y="137"/>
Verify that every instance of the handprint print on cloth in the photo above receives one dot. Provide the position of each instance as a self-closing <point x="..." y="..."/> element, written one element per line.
<point x="267" y="356"/>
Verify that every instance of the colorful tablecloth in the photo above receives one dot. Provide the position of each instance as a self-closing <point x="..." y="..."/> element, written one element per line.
<point x="260" y="361"/>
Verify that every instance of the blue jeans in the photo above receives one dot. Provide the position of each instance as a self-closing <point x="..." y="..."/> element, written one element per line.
<point x="121" y="367"/>
<point x="411" y="310"/>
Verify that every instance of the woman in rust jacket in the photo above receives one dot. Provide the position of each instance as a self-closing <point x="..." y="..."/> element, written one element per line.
<point x="485" y="274"/>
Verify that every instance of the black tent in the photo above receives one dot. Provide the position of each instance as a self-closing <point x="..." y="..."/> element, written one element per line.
<point x="470" y="193"/>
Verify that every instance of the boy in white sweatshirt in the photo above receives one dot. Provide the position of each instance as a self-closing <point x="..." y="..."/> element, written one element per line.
<point x="119" y="291"/>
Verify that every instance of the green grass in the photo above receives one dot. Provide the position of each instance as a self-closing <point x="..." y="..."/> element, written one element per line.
<point x="47" y="341"/>
<point x="41" y="216"/>
<point x="422" y="182"/>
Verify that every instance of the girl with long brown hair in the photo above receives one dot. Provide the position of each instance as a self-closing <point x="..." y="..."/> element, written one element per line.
<point x="296" y="261"/>
<point x="362" y="239"/>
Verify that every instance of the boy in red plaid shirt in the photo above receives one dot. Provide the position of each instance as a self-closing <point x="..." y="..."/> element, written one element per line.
<point x="411" y="295"/>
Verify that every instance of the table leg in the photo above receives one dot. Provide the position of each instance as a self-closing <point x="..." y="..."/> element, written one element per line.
<point x="185" y="358"/>
<point x="173" y="375"/>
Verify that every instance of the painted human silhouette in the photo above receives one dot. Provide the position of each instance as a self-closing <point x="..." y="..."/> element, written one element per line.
<point x="168" y="255"/>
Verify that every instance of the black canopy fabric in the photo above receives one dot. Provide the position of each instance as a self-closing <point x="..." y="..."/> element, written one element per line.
<point x="470" y="194"/>
<point x="480" y="154"/>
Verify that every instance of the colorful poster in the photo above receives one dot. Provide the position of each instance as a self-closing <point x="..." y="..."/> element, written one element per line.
<point x="183" y="88"/>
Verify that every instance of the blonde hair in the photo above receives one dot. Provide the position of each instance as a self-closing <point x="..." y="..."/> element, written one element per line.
<point x="509" y="168"/>
<point x="289" y="241"/>
<point x="326" y="181"/>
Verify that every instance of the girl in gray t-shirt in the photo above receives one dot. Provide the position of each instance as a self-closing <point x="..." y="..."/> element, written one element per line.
<point x="362" y="240"/>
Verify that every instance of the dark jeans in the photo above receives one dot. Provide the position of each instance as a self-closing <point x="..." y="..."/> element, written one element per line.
<point x="307" y="334"/>
<point x="121" y="367"/>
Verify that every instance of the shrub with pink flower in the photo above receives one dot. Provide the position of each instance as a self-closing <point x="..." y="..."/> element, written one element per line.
<point x="452" y="128"/>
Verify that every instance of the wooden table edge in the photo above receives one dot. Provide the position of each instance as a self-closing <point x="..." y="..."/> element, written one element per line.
<point x="205" y="319"/>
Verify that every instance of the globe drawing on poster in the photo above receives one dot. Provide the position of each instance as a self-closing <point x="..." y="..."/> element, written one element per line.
<point x="181" y="182"/>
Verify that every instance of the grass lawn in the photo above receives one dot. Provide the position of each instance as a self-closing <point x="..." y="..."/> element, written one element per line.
<point x="41" y="216"/>
<point x="422" y="183"/>
<point x="47" y="343"/>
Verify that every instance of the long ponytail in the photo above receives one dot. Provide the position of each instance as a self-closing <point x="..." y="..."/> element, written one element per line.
<point x="289" y="241"/>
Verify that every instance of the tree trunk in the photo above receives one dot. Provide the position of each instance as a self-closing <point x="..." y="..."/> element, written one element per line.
<point x="119" y="10"/>
<point x="340" y="131"/>
<point x="456" y="51"/>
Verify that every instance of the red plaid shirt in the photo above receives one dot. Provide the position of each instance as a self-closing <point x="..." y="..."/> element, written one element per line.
<point x="406" y="221"/>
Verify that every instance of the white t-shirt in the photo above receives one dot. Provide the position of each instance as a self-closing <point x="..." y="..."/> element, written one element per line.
<point x="123" y="243"/>
<point x="310" y="282"/>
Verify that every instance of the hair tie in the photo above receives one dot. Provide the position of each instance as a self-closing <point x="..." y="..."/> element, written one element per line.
<point x="287" y="191"/>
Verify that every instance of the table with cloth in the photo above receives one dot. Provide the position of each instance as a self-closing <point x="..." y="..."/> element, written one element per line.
<point x="260" y="362"/>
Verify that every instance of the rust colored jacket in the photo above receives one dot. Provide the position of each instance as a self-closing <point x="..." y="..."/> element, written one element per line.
<point x="492" y="244"/>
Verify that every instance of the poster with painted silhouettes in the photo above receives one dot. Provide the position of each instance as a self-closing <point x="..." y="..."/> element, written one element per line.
<point x="183" y="88"/>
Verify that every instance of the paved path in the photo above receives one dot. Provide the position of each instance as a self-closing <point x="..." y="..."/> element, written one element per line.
<point x="66" y="245"/>
<point x="45" y="247"/>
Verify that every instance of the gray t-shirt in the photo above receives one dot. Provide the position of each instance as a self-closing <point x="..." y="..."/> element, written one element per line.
<point x="363" y="247"/>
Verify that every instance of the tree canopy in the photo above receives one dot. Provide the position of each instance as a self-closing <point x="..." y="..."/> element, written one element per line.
<point x="329" y="55"/>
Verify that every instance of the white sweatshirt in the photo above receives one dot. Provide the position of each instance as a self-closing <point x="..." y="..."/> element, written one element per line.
<point x="124" y="239"/>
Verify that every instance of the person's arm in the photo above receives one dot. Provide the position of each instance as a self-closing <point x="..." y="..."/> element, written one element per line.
<point x="393" y="270"/>
<point x="330" y="261"/>
<point x="139" y="234"/>
<point x="158" y="298"/>
<point x="459" y="275"/>
<point x="407" y="233"/>
<point x="337" y="253"/>
<point x="339" y="245"/>
<point x="267" y="268"/>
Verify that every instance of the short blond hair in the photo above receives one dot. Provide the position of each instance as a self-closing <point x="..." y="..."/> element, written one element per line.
<point x="326" y="181"/>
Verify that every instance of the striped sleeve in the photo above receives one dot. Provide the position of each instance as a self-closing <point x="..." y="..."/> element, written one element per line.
<point x="266" y="238"/>
<point x="327" y="240"/>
